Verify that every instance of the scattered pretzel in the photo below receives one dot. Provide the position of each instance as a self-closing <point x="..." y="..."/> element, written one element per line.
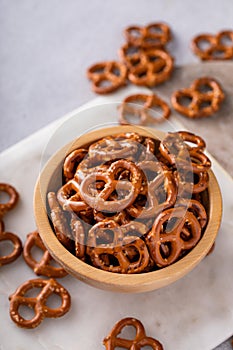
<point x="202" y="104"/>
<point x="14" y="197"/>
<point x="16" y="242"/>
<point x="167" y="242"/>
<point x="158" y="69"/>
<point x="153" y="35"/>
<point x="43" y="266"/>
<point x="141" y="107"/>
<point x="38" y="303"/>
<point x="141" y="340"/>
<point x="107" y="76"/>
<point x="216" y="48"/>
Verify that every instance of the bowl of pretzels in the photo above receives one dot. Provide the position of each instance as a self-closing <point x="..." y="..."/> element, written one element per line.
<point x="129" y="208"/>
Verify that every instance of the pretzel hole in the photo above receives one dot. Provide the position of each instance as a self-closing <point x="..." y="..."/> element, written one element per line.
<point x="185" y="100"/>
<point x="26" y="312"/>
<point x="105" y="83"/>
<point x="219" y="53"/>
<point x="205" y="105"/>
<point x="135" y="33"/>
<point x="131" y="50"/>
<point x="226" y="40"/>
<point x="204" y="88"/>
<point x="6" y="248"/>
<point x="106" y="237"/>
<point x="4" y="197"/>
<point x="131" y="253"/>
<point x="155" y="30"/>
<point x="128" y="332"/>
<point x="204" y="44"/>
<point x="37" y="253"/>
<point x="54" y="301"/>
<point x="33" y="292"/>
<point x="116" y="71"/>
<point x="165" y="249"/>
<point x="109" y="259"/>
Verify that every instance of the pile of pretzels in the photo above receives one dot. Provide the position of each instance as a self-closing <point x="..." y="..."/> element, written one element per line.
<point x="131" y="203"/>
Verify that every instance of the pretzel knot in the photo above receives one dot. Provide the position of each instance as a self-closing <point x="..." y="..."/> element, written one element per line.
<point x="41" y="267"/>
<point x="174" y="231"/>
<point x="113" y="340"/>
<point x="16" y="242"/>
<point x="153" y="35"/>
<point x="14" y="196"/>
<point x="216" y="47"/>
<point x="126" y="191"/>
<point x="38" y="303"/>
<point x="107" y="76"/>
<point x="117" y="248"/>
<point x="201" y="103"/>
<point x="141" y="107"/>
<point x="158" y="69"/>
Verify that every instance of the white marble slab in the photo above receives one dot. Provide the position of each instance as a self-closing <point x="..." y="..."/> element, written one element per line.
<point x="195" y="312"/>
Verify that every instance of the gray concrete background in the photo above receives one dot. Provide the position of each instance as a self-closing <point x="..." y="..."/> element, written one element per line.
<point x="46" y="46"/>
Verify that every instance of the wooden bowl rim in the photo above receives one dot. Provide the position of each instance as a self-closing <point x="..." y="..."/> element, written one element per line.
<point x="110" y="280"/>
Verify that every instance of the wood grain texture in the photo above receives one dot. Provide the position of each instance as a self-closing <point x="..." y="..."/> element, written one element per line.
<point x="107" y="280"/>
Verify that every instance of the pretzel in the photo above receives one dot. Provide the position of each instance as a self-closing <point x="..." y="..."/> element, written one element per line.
<point x="141" y="340"/>
<point x="38" y="303"/>
<point x="100" y="201"/>
<point x="59" y="222"/>
<point x="203" y="104"/>
<point x="161" y="177"/>
<point x="194" y="139"/>
<point x="153" y="35"/>
<point x="112" y="73"/>
<point x="156" y="71"/>
<point x="216" y="49"/>
<point x="14" y="197"/>
<point x="110" y="148"/>
<point x="43" y="266"/>
<point x="166" y="243"/>
<point x="140" y="106"/>
<point x="16" y="242"/>
<point x="72" y="161"/>
<point x="69" y="197"/>
<point x="79" y="237"/>
<point x="117" y="247"/>
<point x="196" y="208"/>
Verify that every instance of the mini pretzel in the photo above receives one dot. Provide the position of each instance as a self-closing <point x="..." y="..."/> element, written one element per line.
<point x="153" y="35"/>
<point x="43" y="266"/>
<point x="100" y="202"/>
<point x="112" y="73"/>
<point x="16" y="242"/>
<point x="166" y="242"/>
<point x="69" y="197"/>
<point x="141" y="106"/>
<point x="14" y="197"/>
<point x="194" y="139"/>
<point x="197" y="107"/>
<point x="197" y="209"/>
<point x="163" y="177"/>
<point x="216" y="49"/>
<point x="59" y="222"/>
<point x="156" y="71"/>
<point x="79" y="237"/>
<point x="117" y="247"/>
<point x="38" y="303"/>
<point x="111" y="148"/>
<point x="133" y="56"/>
<point x="72" y="161"/>
<point x="141" y="340"/>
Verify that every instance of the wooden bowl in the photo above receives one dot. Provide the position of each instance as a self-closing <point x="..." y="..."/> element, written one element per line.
<point x="107" y="280"/>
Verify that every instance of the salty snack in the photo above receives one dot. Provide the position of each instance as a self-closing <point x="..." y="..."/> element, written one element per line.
<point x="38" y="303"/>
<point x="16" y="242"/>
<point x="157" y="69"/>
<point x="134" y="203"/>
<point x="14" y="196"/>
<point x="205" y="96"/>
<point x="42" y="267"/>
<point x="214" y="47"/>
<point x="153" y="35"/>
<point x="141" y="340"/>
<point x="142" y="108"/>
<point x="107" y="76"/>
